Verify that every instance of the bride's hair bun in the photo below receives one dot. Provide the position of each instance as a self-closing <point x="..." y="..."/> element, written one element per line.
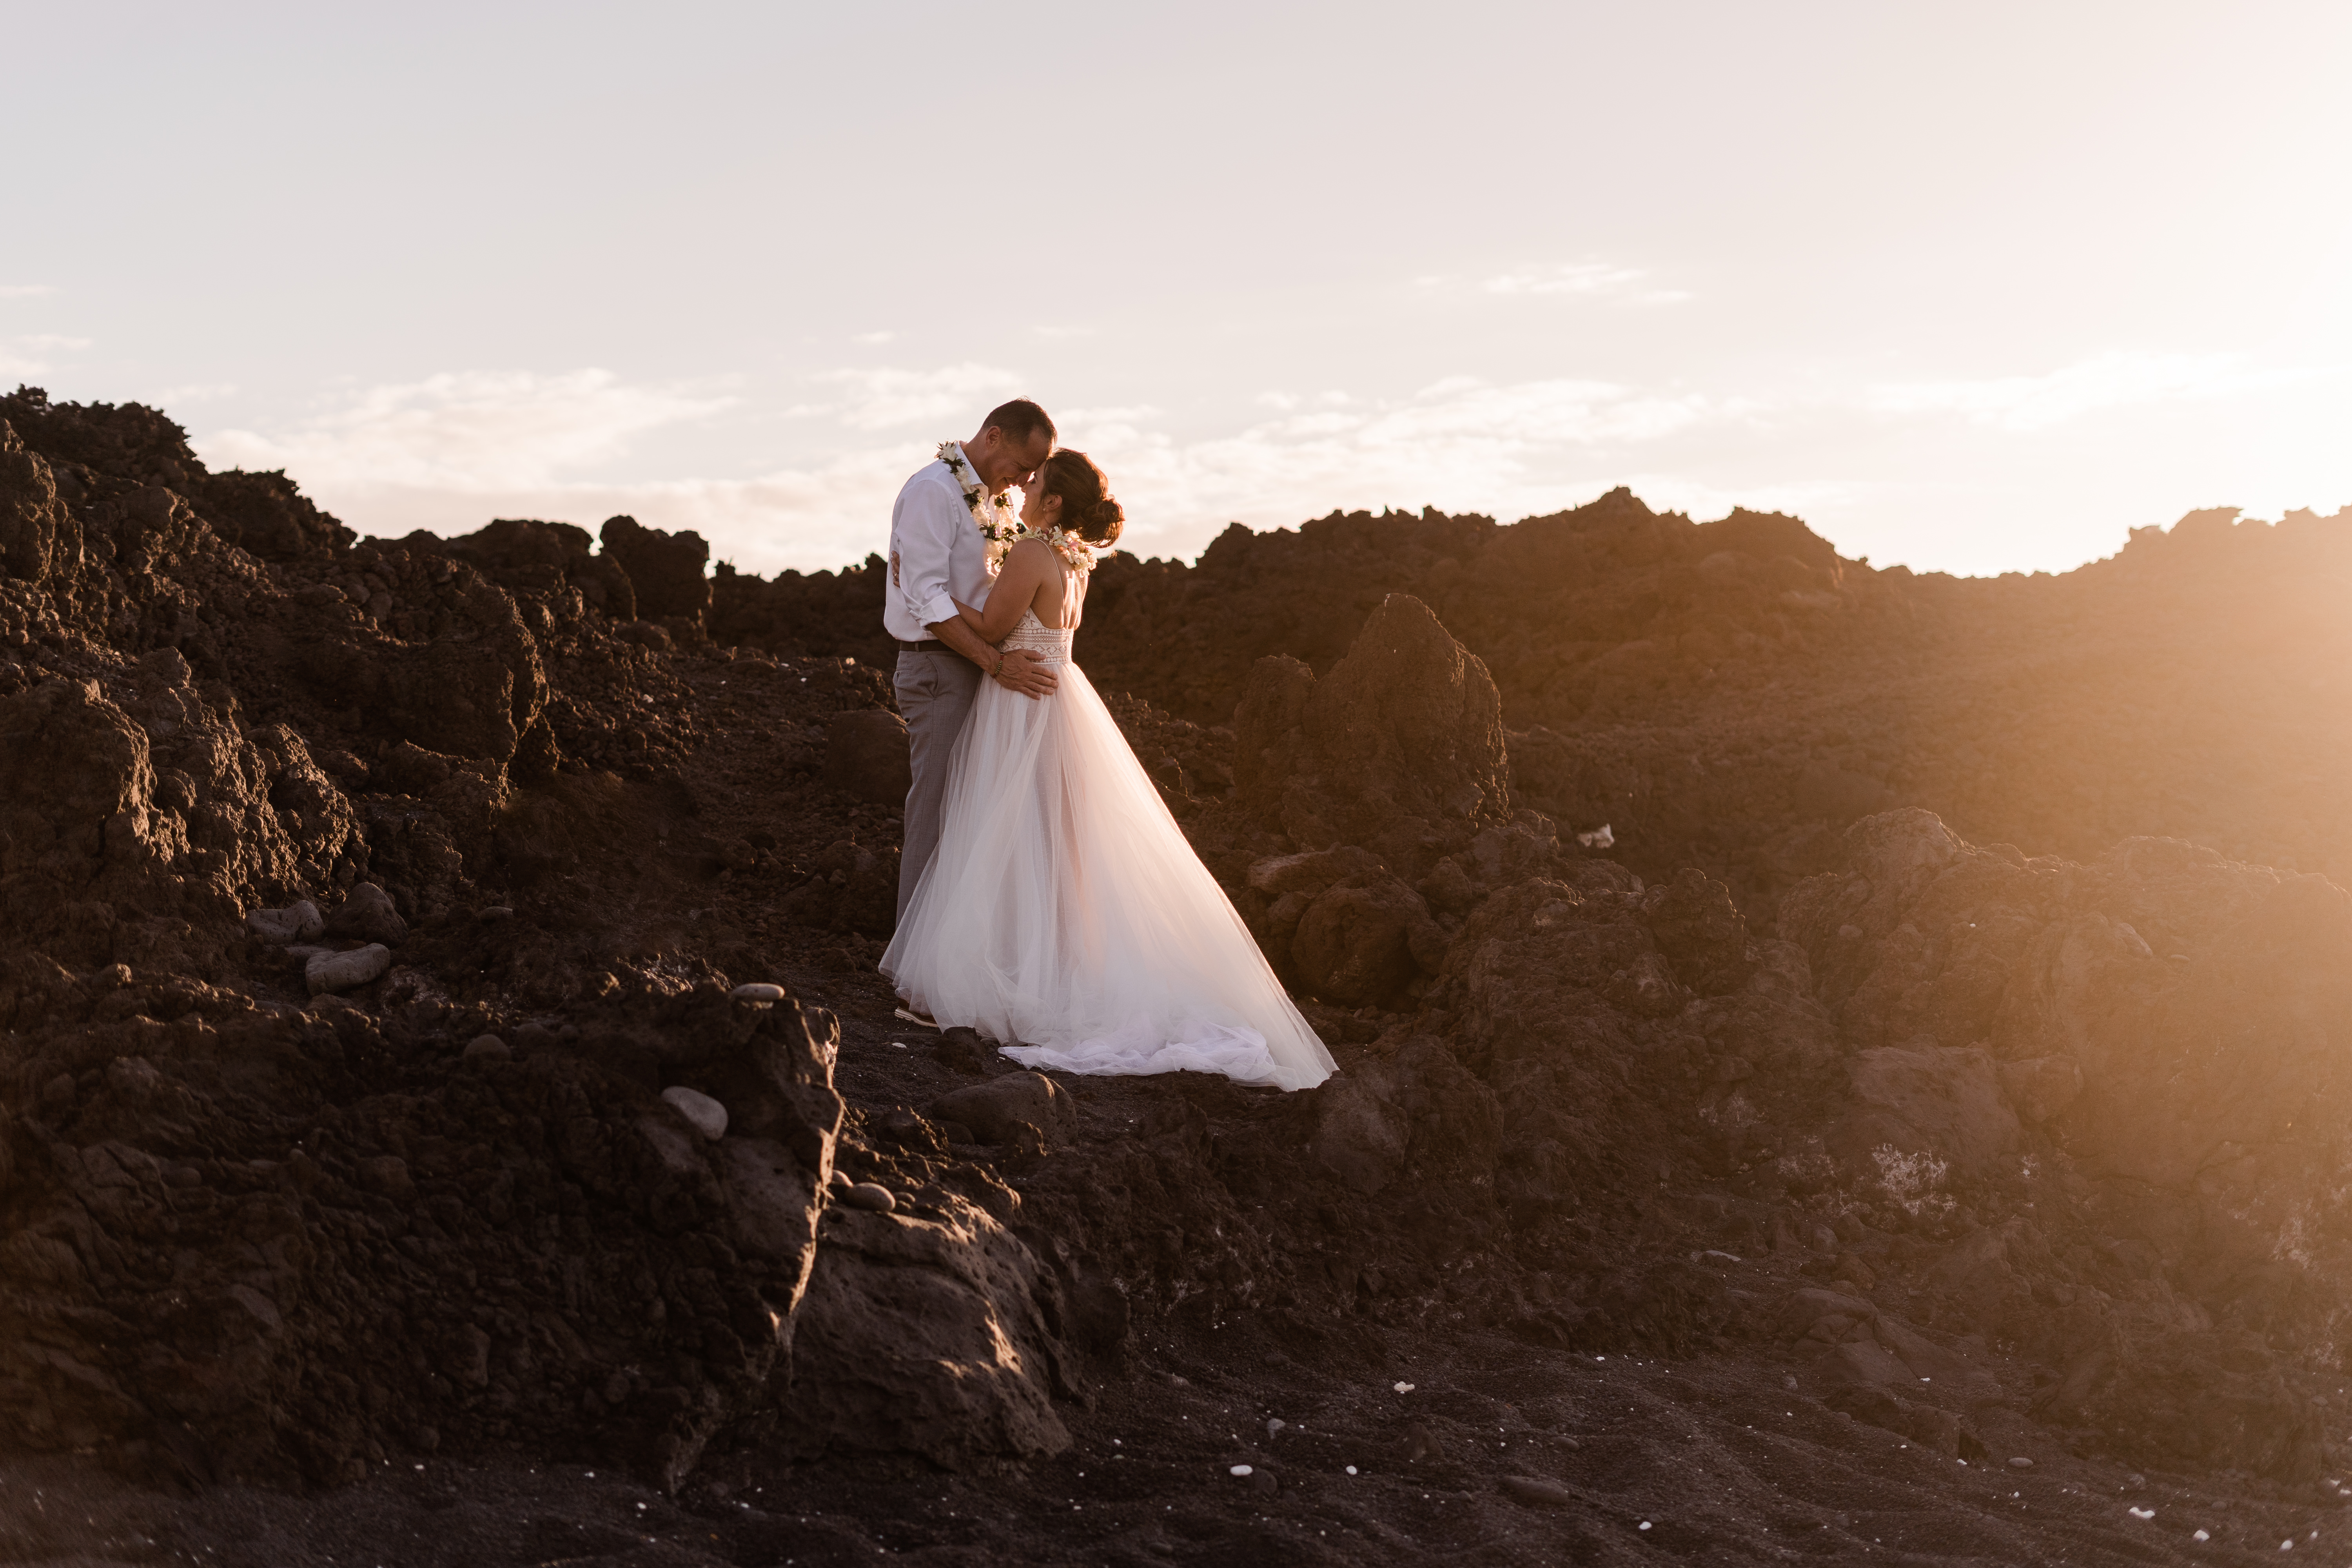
<point x="1103" y="520"/>
<point x="1088" y="508"/>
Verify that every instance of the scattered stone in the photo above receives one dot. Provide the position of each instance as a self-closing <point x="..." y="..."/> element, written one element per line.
<point x="496" y="913"/>
<point x="871" y="1197"/>
<point x="2020" y="1464"/>
<point x="1274" y="1426"/>
<point x="758" y="991"/>
<point x="997" y="1110"/>
<point x="1239" y="1470"/>
<point x="704" y="1114"/>
<point x="1534" y="1489"/>
<point x="1262" y="1480"/>
<point x="341" y="971"/>
<point x="297" y="921"/>
<point x="487" y="1047"/>
<point x="368" y="914"/>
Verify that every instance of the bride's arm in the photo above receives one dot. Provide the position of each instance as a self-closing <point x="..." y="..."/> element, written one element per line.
<point x="1015" y="588"/>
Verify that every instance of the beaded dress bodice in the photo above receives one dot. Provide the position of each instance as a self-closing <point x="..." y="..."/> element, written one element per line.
<point x="1050" y="644"/>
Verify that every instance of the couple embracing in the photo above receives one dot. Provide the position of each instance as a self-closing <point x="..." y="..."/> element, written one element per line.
<point x="1046" y="897"/>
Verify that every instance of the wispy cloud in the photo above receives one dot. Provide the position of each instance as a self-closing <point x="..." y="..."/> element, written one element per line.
<point x="23" y="290"/>
<point x="2112" y="380"/>
<point x="451" y="452"/>
<point x="885" y="399"/>
<point x="30" y="354"/>
<point x="1573" y="277"/>
<point x="468" y="431"/>
<point x="877" y="337"/>
<point x="1460" y="443"/>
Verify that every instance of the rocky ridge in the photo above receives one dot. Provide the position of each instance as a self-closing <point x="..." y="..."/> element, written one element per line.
<point x="380" y="916"/>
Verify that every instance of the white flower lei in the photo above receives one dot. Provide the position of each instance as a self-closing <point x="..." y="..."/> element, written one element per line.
<point x="991" y="513"/>
<point x="1080" y="554"/>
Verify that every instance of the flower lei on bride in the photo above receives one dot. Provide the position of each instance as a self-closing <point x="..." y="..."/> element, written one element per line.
<point x="991" y="513"/>
<point x="1080" y="555"/>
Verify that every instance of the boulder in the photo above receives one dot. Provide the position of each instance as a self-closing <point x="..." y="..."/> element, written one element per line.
<point x="1406" y="729"/>
<point x="1359" y="1133"/>
<point x="867" y="756"/>
<point x="35" y="529"/>
<point x="997" y="1110"/>
<point x="297" y="921"/>
<point x="667" y="570"/>
<point x="1700" y="933"/>
<point x="1364" y="940"/>
<point x="924" y="1335"/>
<point x="368" y="915"/>
<point x="701" y="1112"/>
<point x="328" y="972"/>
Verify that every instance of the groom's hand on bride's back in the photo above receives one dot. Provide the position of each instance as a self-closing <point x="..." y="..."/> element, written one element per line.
<point x="1022" y="672"/>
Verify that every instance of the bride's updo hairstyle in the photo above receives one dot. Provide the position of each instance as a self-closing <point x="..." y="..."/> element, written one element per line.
<point x="1088" y="508"/>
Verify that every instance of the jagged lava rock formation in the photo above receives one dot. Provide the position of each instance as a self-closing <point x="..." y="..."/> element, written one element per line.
<point x="440" y="1017"/>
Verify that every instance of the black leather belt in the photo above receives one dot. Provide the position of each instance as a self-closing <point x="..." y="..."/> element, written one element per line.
<point x="928" y="645"/>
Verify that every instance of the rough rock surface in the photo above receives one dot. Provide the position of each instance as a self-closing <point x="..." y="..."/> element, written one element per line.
<point x="1809" y="1090"/>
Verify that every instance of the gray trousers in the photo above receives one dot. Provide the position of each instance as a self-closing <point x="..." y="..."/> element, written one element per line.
<point x="935" y="695"/>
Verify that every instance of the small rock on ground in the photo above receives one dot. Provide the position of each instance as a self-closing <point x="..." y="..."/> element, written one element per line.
<point x="706" y="1115"/>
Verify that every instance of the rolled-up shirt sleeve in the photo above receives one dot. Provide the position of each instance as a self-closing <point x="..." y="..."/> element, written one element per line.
<point x="928" y="519"/>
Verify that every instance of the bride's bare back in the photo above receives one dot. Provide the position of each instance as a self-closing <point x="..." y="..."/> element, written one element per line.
<point x="1032" y="578"/>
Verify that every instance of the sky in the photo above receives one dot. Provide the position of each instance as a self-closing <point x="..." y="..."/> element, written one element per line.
<point x="1973" y="288"/>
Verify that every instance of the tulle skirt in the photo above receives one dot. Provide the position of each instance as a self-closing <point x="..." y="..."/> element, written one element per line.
<point x="1066" y="916"/>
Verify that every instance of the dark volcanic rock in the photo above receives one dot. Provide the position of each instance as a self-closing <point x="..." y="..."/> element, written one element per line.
<point x="666" y="569"/>
<point x="1401" y="741"/>
<point x="2053" y="1135"/>
<point x="1702" y="935"/>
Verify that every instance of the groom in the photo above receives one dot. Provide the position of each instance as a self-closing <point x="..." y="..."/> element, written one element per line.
<point x="937" y="556"/>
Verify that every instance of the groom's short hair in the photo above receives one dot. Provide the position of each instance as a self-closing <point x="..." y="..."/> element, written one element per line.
<point x="1020" y="419"/>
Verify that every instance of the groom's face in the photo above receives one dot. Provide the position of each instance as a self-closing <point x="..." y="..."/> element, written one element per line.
<point x="1003" y="461"/>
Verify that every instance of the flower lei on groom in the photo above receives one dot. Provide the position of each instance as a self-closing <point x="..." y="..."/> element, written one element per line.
<point x="994" y="517"/>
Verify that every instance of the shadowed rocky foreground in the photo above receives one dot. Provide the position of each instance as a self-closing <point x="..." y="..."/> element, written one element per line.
<point x="1836" y="1064"/>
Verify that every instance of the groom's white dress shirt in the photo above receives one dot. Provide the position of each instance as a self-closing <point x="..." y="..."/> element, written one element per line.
<point x="937" y="553"/>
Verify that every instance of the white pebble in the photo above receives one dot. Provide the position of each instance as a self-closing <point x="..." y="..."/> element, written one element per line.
<point x="341" y="971"/>
<point x="1352" y="1469"/>
<point x="1646" y="1524"/>
<point x="2202" y="1535"/>
<point x="1239" y="1470"/>
<point x="2141" y="1513"/>
<point x="1404" y="1388"/>
<point x="704" y="1114"/>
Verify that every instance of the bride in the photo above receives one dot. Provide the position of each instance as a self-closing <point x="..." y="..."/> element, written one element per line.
<point x="1064" y="913"/>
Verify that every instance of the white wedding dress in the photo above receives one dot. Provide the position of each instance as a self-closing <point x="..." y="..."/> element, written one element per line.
<point x="1066" y="917"/>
